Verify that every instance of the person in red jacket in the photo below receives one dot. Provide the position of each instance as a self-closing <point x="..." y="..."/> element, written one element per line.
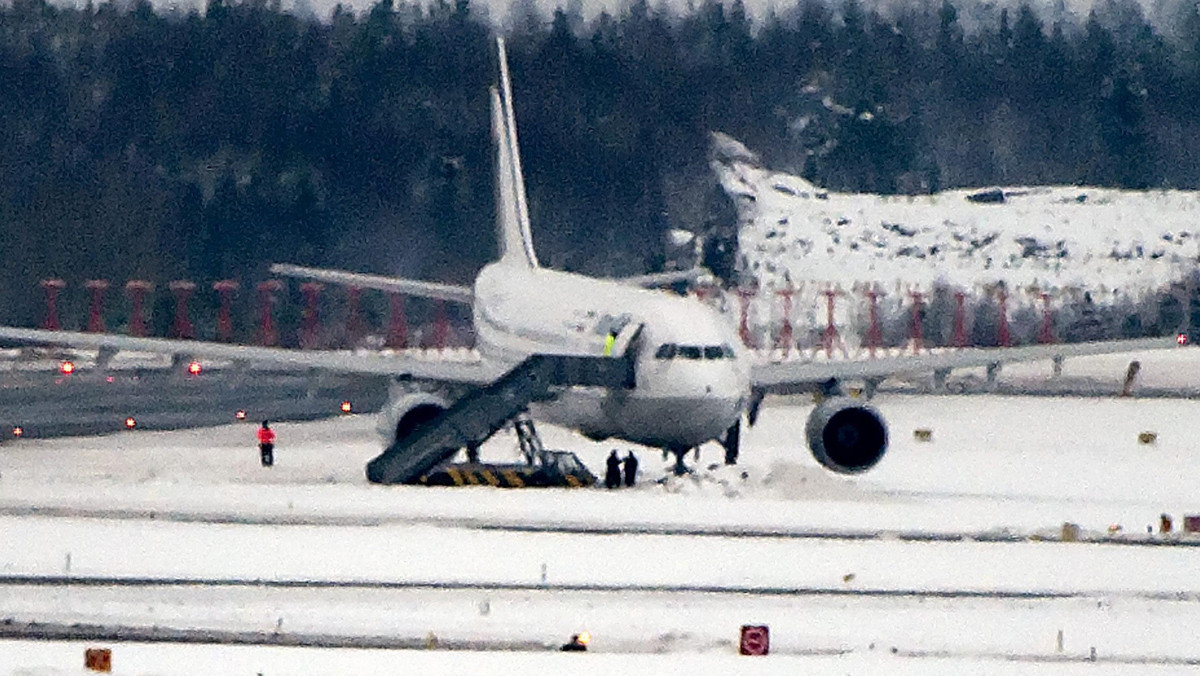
<point x="266" y="444"/>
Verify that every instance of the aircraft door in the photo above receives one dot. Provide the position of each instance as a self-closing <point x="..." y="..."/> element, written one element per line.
<point x="629" y="345"/>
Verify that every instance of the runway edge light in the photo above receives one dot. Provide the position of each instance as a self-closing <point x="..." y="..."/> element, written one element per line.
<point x="755" y="640"/>
<point x="1070" y="532"/>
<point x="98" y="659"/>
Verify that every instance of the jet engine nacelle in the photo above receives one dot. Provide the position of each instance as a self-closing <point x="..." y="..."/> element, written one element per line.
<point x="404" y="413"/>
<point x="846" y="436"/>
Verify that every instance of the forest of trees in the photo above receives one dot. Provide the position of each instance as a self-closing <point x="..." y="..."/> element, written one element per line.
<point x="141" y="144"/>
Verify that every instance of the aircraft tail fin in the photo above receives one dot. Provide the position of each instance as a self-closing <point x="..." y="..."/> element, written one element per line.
<point x="512" y="209"/>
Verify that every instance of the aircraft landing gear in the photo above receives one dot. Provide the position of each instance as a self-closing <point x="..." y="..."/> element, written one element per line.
<point x="680" y="452"/>
<point x="732" y="443"/>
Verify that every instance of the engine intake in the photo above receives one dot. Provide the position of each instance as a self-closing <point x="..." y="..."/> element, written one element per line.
<point x="403" y="414"/>
<point x="846" y="436"/>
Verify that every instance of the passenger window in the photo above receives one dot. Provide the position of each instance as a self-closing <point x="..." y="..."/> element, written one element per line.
<point x="713" y="352"/>
<point x="689" y="352"/>
<point x="665" y="351"/>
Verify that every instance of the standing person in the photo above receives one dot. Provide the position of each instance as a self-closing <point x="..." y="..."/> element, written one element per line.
<point x="631" y="465"/>
<point x="266" y="444"/>
<point x="610" y="341"/>
<point x="612" y="477"/>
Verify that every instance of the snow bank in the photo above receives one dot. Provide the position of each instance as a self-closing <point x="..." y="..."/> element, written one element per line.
<point x="1117" y="246"/>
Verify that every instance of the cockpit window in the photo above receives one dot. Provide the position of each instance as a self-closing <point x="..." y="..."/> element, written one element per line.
<point x="714" y="351"/>
<point x="673" y="351"/>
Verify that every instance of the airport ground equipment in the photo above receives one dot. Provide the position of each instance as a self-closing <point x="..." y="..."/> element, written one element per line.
<point x="473" y="419"/>
<point x="527" y="437"/>
<point x="552" y="469"/>
<point x="542" y="468"/>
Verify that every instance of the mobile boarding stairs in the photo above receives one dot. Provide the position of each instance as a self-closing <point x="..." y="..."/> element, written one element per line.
<point x="474" y="418"/>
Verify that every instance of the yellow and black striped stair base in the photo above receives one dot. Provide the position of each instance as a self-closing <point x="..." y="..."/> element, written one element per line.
<point x="501" y="476"/>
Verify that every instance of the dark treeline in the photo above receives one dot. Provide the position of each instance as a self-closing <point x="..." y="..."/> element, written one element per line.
<point x="141" y="145"/>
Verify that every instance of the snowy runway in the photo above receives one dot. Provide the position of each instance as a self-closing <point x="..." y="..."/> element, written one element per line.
<point x="946" y="552"/>
<point x="1125" y="630"/>
<point x="430" y="556"/>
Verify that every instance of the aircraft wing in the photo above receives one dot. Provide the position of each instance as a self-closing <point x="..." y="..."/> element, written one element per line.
<point x="473" y="371"/>
<point x="411" y="287"/>
<point x="787" y="375"/>
<point x="658" y="279"/>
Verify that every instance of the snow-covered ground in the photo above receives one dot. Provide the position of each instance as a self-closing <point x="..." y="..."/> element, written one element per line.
<point x="944" y="559"/>
<point x="1118" y="246"/>
<point x="1052" y="238"/>
<point x="160" y="659"/>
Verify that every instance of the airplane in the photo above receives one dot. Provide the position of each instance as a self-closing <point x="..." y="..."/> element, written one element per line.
<point x="694" y="381"/>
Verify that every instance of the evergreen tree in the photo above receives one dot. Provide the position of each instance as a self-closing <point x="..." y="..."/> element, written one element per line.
<point x="207" y="144"/>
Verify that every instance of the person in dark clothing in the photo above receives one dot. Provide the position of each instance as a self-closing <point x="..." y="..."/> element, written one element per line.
<point x="266" y="444"/>
<point x="631" y="465"/>
<point x="612" y="476"/>
<point x="577" y="644"/>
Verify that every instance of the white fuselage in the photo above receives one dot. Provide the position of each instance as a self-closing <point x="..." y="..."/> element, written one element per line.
<point x="686" y="393"/>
